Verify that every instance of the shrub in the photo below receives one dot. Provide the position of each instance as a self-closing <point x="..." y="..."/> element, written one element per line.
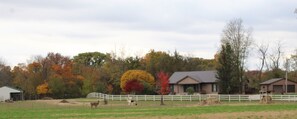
<point x="190" y="90"/>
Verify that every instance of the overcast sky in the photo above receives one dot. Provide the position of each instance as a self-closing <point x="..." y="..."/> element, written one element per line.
<point x="192" y="27"/>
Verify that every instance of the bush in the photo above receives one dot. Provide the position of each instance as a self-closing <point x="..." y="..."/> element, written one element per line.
<point x="190" y="90"/>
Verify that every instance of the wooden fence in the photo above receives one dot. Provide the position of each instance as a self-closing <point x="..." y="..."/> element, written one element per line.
<point x="229" y="98"/>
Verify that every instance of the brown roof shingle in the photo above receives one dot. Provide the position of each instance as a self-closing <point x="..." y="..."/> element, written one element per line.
<point x="271" y="81"/>
<point x="200" y="76"/>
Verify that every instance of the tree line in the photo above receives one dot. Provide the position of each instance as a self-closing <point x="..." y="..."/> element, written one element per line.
<point x="60" y="76"/>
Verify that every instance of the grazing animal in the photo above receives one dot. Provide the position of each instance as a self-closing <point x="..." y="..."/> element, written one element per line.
<point x="94" y="104"/>
<point x="131" y="101"/>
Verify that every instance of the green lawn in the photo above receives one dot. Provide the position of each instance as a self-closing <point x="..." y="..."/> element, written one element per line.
<point x="120" y="109"/>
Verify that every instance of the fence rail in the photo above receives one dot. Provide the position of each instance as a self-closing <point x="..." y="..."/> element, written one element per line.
<point x="229" y="98"/>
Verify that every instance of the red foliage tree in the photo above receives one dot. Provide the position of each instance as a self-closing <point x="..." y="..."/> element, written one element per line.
<point x="163" y="84"/>
<point x="133" y="86"/>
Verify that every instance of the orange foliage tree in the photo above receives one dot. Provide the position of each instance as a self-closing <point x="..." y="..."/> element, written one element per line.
<point x="139" y="75"/>
<point x="42" y="89"/>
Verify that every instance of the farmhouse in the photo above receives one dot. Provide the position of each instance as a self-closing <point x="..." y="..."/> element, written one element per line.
<point x="204" y="82"/>
<point x="10" y="93"/>
<point x="278" y="85"/>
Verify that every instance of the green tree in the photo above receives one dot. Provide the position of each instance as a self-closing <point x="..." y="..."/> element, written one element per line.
<point x="95" y="59"/>
<point x="133" y="63"/>
<point x="225" y="71"/>
<point x="57" y="87"/>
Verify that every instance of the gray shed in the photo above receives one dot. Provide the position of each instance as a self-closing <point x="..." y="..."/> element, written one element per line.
<point x="10" y="93"/>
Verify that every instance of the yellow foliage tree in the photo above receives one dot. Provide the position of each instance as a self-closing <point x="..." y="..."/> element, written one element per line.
<point x="42" y="88"/>
<point x="136" y="75"/>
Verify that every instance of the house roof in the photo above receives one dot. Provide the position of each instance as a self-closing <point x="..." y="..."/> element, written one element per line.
<point x="10" y="89"/>
<point x="271" y="81"/>
<point x="200" y="76"/>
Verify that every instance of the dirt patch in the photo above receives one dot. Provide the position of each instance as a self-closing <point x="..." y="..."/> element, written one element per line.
<point x="251" y="115"/>
<point x="233" y="115"/>
<point x="62" y="102"/>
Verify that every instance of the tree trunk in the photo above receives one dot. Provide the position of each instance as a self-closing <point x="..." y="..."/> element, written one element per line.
<point x="162" y="100"/>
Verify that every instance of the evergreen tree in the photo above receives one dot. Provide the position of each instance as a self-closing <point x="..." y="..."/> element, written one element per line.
<point x="225" y="71"/>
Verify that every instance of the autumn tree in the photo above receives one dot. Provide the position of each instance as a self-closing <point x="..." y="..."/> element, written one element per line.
<point x="5" y="75"/>
<point x="240" y="40"/>
<point x="42" y="89"/>
<point x="57" y="71"/>
<point x="133" y="86"/>
<point x="20" y="80"/>
<point x="163" y="85"/>
<point x="111" y="72"/>
<point x="156" y="61"/>
<point x="140" y="75"/>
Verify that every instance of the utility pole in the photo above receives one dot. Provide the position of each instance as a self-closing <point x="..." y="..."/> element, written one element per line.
<point x="287" y="68"/>
<point x="287" y="80"/>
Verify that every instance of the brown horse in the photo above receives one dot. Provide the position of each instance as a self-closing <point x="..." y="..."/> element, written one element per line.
<point x="94" y="104"/>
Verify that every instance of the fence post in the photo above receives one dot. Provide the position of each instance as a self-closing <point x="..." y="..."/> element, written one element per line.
<point x="239" y="97"/>
<point x="219" y="98"/>
<point x="229" y="98"/>
<point x="199" y="97"/>
<point x="120" y="97"/>
<point x="181" y="98"/>
<point x="191" y="98"/>
<point x="136" y="97"/>
<point x="144" y="97"/>
<point x="154" y="97"/>
<point x="171" y="97"/>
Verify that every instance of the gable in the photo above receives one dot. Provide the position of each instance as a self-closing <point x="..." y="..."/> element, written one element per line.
<point x="188" y="80"/>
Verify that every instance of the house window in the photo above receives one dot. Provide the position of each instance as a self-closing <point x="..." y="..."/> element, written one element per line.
<point x="172" y="88"/>
<point x="291" y="88"/>
<point x="214" y="88"/>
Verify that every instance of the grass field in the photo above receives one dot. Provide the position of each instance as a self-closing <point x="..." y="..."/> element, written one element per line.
<point x="80" y="109"/>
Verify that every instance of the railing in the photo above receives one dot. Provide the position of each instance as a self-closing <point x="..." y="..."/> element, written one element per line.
<point x="228" y="98"/>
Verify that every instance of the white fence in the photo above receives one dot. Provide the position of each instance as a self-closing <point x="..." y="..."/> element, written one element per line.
<point x="229" y="98"/>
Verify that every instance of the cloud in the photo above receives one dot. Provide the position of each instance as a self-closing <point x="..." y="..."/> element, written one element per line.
<point x="33" y="27"/>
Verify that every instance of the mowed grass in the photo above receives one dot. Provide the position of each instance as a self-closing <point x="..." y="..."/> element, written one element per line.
<point x="80" y="109"/>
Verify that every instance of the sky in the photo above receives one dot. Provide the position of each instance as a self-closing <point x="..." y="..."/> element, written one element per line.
<point x="30" y="28"/>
